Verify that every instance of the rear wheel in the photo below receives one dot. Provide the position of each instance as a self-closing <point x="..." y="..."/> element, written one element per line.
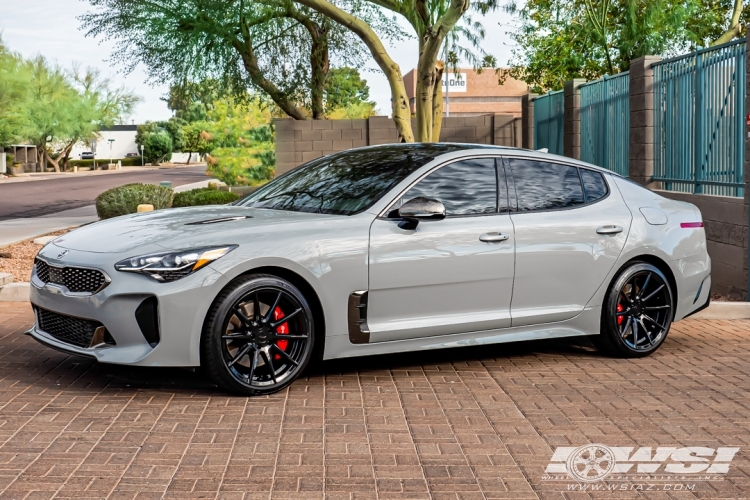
<point x="258" y="336"/>
<point x="637" y="312"/>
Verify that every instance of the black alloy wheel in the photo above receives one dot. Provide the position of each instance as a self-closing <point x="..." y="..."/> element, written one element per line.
<point x="637" y="312"/>
<point x="258" y="336"/>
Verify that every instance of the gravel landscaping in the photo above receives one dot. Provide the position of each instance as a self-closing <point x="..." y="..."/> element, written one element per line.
<point x="21" y="258"/>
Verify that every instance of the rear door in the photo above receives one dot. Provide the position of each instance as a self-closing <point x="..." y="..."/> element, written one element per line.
<point x="570" y="229"/>
<point x="448" y="276"/>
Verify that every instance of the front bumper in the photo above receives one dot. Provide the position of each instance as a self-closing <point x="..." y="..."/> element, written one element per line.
<point x="182" y="308"/>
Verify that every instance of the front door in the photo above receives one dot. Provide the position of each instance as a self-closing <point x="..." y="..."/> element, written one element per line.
<point x="448" y="276"/>
<point x="570" y="230"/>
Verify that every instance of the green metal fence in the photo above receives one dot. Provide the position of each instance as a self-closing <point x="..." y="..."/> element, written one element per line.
<point x="699" y="107"/>
<point x="605" y="122"/>
<point x="549" y="120"/>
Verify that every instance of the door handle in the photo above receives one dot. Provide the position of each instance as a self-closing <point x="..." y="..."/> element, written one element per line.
<point x="609" y="230"/>
<point x="493" y="237"/>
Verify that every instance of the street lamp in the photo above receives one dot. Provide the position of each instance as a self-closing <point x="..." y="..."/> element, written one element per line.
<point x="111" y="160"/>
<point x="93" y="151"/>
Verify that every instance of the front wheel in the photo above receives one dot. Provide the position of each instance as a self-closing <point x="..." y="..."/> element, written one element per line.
<point x="637" y="312"/>
<point x="258" y="336"/>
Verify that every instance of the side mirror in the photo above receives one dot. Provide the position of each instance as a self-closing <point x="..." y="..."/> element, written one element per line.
<point x="420" y="208"/>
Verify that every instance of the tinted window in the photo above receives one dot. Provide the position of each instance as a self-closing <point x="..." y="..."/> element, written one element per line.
<point x="348" y="182"/>
<point x="465" y="187"/>
<point x="545" y="186"/>
<point x="593" y="184"/>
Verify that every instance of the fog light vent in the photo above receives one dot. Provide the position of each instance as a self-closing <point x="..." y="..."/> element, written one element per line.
<point x="147" y="316"/>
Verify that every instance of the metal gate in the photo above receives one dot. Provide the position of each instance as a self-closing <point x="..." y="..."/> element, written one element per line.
<point x="699" y="106"/>
<point x="605" y="122"/>
<point x="549" y="120"/>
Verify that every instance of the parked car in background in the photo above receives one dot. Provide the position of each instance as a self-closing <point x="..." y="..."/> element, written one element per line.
<point x="132" y="155"/>
<point x="393" y="248"/>
<point x="87" y="155"/>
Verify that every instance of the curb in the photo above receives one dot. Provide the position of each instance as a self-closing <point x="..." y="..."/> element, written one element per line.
<point x="15" y="292"/>
<point x="725" y="311"/>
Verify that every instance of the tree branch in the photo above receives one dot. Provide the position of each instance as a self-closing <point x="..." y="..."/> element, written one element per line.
<point x="735" y="28"/>
<point x="245" y="48"/>
<point x="400" y="102"/>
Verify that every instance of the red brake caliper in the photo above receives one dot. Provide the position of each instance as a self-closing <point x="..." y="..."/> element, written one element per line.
<point x="281" y="329"/>
<point x="619" y="318"/>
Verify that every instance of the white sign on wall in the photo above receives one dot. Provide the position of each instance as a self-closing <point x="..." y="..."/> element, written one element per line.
<point x="456" y="82"/>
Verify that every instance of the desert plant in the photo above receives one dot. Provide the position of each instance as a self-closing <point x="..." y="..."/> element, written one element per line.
<point x="203" y="196"/>
<point x="125" y="199"/>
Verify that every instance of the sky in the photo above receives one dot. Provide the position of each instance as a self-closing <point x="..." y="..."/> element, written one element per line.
<point x="50" y="28"/>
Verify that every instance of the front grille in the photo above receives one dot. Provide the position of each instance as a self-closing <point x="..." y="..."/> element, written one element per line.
<point x="42" y="270"/>
<point x="75" y="279"/>
<point x="76" y="331"/>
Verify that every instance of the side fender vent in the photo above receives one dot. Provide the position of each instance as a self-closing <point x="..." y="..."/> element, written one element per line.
<point x="359" y="332"/>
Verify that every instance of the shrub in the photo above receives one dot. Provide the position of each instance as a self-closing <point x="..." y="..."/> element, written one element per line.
<point x="125" y="199"/>
<point x="133" y="161"/>
<point x="157" y="146"/>
<point x="203" y="196"/>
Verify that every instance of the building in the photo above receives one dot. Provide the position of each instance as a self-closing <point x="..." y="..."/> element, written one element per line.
<point x="124" y="143"/>
<point x="472" y="94"/>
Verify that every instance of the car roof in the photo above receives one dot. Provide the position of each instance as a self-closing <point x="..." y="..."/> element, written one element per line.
<point x="452" y="150"/>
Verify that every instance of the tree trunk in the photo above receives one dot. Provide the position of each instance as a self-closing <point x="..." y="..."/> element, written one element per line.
<point x="735" y="28"/>
<point x="399" y="99"/>
<point x="437" y="102"/>
<point x="425" y="89"/>
<point x="190" y="155"/>
<point x="250" y="62"/>
<point x="48" y="159"/>
<point x="65" y="155"/>
<point x="319" y="66"/>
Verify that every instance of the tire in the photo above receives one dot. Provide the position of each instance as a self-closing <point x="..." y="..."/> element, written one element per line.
<point x="637" y="312"/>
<point x="247" y="347"/>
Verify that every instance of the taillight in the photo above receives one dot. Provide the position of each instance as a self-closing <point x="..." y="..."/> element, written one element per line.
<point x="691" y="224"/>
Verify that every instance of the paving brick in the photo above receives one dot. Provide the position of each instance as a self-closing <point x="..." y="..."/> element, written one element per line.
<point x="461" y="424"/>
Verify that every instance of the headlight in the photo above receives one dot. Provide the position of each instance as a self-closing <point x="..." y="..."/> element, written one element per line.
<point x="171" y="266"/>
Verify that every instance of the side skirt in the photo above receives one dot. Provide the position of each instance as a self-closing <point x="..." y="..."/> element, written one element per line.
<point x="586" y="323"/>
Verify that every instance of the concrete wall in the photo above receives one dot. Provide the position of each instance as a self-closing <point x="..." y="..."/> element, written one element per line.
<point x="725" y="220"/>
<point x="300" y="141"/>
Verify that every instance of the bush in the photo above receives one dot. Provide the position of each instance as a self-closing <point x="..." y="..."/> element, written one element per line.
<point x="133" y="161"/>
<point x="125" y="199"/>
<point x="242" y="166"/>
<point x="203" y="196"/>
<point x="157" y="146"/>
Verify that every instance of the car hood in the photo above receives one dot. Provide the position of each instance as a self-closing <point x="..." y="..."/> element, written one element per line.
<point x="177" y="228"/>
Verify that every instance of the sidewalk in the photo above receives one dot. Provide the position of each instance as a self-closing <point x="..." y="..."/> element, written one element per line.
<point x="40" y="176"/>
<point x="15" y="230"/>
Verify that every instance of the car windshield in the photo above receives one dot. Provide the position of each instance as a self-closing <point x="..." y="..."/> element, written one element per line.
<point x="346" y="183"/>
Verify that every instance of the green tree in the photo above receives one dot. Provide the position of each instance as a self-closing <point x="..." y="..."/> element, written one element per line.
<point x="276" y="47"/>
<point x="197" y="138"/>
<point x="157" y="146"/>
<point x="191" y="101"/>
<point x="15" y="86"/>
<point x="432" y="22"/>
<point x="561" y="40"/>
<point x="345" y="87"/>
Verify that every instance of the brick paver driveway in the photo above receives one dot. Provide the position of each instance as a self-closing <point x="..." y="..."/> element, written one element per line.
<point x="465" y="423"/>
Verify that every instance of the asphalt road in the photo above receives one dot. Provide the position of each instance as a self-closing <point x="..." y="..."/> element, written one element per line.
<point x="49" y="196"/>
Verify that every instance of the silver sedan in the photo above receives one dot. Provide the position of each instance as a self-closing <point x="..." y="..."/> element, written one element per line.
<point x="378" y="250"/>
